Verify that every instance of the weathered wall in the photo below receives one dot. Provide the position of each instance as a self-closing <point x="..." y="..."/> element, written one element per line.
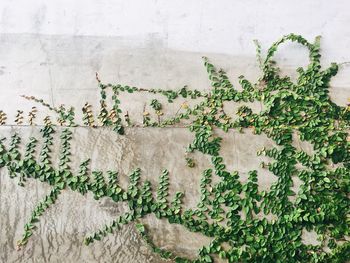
<point x="53" y="49"/>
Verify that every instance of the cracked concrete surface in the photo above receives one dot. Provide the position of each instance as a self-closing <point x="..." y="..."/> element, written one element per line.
<point x="62" y="228"/>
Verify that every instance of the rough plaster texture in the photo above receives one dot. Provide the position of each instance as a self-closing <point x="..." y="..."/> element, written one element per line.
<point x="53" y="49"/>
<point x="64" y="226"/>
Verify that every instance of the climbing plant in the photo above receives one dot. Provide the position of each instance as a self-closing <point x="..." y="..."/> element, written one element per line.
<point x="231" y="212"/>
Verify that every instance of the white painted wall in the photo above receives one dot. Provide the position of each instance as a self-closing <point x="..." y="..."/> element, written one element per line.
<point x="49" y="46"/>
<point x="222" y="26"/>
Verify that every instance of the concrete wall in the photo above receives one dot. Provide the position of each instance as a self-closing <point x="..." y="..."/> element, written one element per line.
<point x="53" y="49"/>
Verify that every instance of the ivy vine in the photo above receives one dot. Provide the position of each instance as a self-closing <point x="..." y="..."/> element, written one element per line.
<point x="228" y="209"/>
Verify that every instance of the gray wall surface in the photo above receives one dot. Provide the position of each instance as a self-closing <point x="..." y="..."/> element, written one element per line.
<point x="52" y="49"/>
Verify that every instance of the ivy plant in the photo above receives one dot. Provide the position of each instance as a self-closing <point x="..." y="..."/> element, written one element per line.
<point x="231" y="212"/>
